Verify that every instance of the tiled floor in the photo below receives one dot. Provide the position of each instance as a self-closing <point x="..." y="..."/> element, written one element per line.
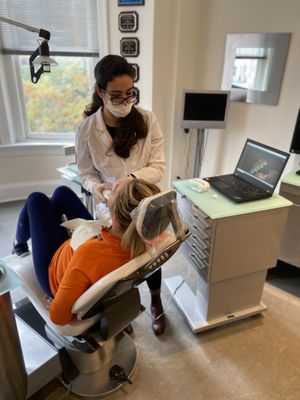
<point x="254" y="359"/>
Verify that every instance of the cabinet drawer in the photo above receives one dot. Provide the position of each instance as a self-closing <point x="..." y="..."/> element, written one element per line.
<point x="201" y="246"/>
<point x="200" y="216"/>
<point x="196" y="245"/>
<point x="192" y="214"/>
<point x="200" y="265"/>
<point x="196" y="219"/>
<point x="183" y="203"/>
<point x="202" y="236"/>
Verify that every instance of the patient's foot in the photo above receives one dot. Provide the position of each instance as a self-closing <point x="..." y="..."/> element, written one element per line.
<point x="128" y="329"/>
<point x="20" y="249"/>
<point x="158" y="316"/>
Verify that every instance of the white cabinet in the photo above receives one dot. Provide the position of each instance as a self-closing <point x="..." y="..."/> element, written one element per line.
<point x="290" y="246"/>
<point x="231" y="254"/>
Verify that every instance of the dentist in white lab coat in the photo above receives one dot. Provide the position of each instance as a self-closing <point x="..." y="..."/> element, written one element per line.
<point x="118" y="142"/>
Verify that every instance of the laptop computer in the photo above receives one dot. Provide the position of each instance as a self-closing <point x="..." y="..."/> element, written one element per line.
<point x="256" y="175"/>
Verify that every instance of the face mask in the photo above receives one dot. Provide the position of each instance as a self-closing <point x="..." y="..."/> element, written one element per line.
<point x="119" y="111"/>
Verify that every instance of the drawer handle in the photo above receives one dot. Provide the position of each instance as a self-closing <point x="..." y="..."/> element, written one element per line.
<point x="200" y="230"/>
<point x="203" y="224"/>
<point x="201" y="244"/>
<point x="197" y="209"/>
<point x="200" y="265"/>
<point x="195" y="247"/>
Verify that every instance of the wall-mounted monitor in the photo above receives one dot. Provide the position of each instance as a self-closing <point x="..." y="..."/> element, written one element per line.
<point x="295" y="144"/>
<point x="205" y="109"/>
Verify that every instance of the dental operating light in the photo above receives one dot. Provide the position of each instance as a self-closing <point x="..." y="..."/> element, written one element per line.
<point x="41" y="55"/>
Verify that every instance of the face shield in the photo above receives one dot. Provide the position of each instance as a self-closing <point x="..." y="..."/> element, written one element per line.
<point x="158" y="222"/>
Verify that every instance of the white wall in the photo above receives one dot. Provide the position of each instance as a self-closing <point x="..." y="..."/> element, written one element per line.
<point x="202" y="46"/>
<point x="179" y="30"/>
<point x="22" y="174"/>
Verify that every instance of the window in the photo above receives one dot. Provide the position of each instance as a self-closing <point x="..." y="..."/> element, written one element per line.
<point x="52" y="108"/>
<point x="251" y="68"/>
<point x="56" y="103"/>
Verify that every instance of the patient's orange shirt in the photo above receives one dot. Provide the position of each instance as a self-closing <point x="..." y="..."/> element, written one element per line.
<point x="71" y="272"/>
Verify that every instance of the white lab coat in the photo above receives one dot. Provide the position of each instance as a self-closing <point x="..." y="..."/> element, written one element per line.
<point x="97" y="163"/>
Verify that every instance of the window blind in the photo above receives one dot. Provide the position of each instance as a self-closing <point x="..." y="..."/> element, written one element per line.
<point x="73" y="25"/>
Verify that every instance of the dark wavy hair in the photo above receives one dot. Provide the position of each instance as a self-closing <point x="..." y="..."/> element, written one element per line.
<point x="130" y="128"/>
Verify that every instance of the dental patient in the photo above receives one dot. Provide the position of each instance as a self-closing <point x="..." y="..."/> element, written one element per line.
<point x="66" y="273"/>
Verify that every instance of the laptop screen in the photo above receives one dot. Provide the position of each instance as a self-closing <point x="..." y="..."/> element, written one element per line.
<point x="261" y="165"/>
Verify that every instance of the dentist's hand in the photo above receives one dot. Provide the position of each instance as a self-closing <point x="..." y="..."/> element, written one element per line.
<point x="98" y="190"/>
<point x="121" y="182"/>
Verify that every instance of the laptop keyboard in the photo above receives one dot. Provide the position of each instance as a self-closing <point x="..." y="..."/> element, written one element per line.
<point x="241" y="185"/>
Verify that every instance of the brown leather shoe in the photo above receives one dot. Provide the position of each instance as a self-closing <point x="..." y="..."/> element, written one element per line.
<point x="158" y="316"/>
<point x="128" y="329"/>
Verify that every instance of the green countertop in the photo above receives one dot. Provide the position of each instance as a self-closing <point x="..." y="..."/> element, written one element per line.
<point x="216" y="205"/>
<point x="9" y="281"/>
<point x="292" y="178"/>
<point x="71" y="171"/>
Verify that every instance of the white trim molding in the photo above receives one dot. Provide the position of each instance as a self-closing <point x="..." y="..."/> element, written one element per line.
<point x="25" y="149"/>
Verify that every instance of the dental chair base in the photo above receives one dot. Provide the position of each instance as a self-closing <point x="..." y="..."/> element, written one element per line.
<point x="85" y="367"/>
<point x="95" y="369"/>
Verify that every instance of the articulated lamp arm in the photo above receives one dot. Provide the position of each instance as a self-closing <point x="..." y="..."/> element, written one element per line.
<point x="42" y="32"/>
<point x="41" y="54"/>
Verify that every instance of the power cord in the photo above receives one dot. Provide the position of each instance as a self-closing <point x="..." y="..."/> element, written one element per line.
<point x="183" y="280"/>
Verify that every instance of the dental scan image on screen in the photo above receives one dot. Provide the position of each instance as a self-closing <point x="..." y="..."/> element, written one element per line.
<point x="262" y="164"/>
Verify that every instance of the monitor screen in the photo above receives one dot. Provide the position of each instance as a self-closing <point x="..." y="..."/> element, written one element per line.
<point x="295" y="145"/>
<point x="261" y="165"/>
<point x="205" y="109"/>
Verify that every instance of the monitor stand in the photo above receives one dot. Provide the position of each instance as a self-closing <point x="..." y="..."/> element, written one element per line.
<point x="199" y="152"/>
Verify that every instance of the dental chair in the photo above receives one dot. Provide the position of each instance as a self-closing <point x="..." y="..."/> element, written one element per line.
<point x="99" y="356"/>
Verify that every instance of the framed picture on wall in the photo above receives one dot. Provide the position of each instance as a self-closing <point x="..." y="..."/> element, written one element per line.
<point x="131" y="2"/>
<point x="130" y="47"/>
<point x="136" y="72"/>
<point x="128" y="21"/>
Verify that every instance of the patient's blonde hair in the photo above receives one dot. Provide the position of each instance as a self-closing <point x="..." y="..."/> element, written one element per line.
<point x="127" y="200"/>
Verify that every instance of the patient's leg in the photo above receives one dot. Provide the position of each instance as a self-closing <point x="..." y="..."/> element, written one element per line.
<point x="39" y="221"/>
<point x="65" y="201"/>
<point x="157" y="311"/>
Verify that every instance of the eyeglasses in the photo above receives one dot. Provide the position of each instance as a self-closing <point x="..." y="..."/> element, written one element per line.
<point x="116" y="101"/>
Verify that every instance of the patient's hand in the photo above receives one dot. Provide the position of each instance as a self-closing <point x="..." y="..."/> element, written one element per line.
<point x="47" y="301"/>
